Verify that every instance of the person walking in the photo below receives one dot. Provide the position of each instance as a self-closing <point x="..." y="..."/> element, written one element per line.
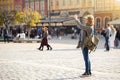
<point x="103" y="34"/>
<point x="5" y="35"/>
<point x="87" y="29"/>
<point x="108" y="34"/>
<point x="44" y="41"/>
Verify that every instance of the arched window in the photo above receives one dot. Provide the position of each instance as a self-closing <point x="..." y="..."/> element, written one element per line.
<point x="98" y="25"/>
<point x="107" y="20"/>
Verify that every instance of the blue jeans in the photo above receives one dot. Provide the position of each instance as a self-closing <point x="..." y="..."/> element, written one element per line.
<point x="87" y="60"/>
<point x="107" y="43"/>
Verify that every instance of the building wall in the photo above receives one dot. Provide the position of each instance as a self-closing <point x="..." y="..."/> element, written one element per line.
<point x="102" y="17"/>
<point x="19" y="5"/>
<point x="39" y="5"/>
<point x="106" y="10"/>
<point x="6" y="5"/>
<point x="103" y="10"/>
<point x="71" y="7"/>
<point x="67" y="8"/>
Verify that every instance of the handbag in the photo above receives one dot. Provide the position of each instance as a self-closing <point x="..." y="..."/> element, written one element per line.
<point x="91" y="42"/>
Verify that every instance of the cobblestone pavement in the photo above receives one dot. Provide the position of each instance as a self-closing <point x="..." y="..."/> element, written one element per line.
<point x="22" y="61"/>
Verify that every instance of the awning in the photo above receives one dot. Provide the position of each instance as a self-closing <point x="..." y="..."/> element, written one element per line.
<point x="71" y="22"/>
<point x="115" y="22"/>
<point x="55" y="20"/>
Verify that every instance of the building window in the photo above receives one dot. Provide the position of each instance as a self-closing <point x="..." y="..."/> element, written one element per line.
<point x="37" y="5"/>
<point x="98" y="25"/>
<point x="99" y="5"/>
<point x="108" y="5"/>
<point x="51" y="3"/>
<point x="83" y="1"/>
<point x="107" y="20"/>
<point x="90" y="1"/>
<point x="77" y="1"/>
<point x="63" y="2"/>
<point x="31" y="0"/>
<point x="27" y="5"/>
<point x="32" y="5"/>
<point x="57" y="3"/>
<point x="70" y="2"/>
<point x="42" y="7"/>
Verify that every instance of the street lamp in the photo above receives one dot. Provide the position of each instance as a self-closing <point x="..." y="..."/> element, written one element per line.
<point x="94" y="6"/>
<point x="49" y="17"/>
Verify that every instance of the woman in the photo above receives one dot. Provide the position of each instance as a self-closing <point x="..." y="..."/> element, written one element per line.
<point x="112" y="37"/>
<point x="44" y="41"/>
<point x="87" y="31"/>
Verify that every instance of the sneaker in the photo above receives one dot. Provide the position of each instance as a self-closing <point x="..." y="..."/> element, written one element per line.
<point x="38" y="48"/>
<point x="106" y="50"/>
<point x="78" y="46"/>
<point x="90" y="73"/>
<point x="85" y="75"/>
<point x="50" y="48"/>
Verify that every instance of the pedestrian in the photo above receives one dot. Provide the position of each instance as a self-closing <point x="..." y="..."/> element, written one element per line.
<point x="5" y="35"/>
<point x="107" y="37"/>
<point x="87" y="29"/>
<point x="117" y="38"/>
<point x="44" y="41"/>
<point x="103" y="34"/>
<point x="39" y="32"/>
<point x="112" y="36"/>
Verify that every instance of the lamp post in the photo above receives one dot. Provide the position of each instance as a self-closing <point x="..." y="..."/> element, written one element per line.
<point x="94" y="9"/>
<point x="49" y="16"/>
<point x="94" y="6"/>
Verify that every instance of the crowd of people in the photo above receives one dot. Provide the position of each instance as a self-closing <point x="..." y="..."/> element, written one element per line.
<point x="112" y="36"/>
<point x="35" y="33"/>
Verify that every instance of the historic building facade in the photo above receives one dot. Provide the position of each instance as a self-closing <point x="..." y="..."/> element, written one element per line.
<point x="39" y="5"/>
<point x="19" y="5"/>
<point x="9" y="5"/>
<point x="70" y="7"/>
<point x="103" y="10"/>
<point x="6" y="5"/>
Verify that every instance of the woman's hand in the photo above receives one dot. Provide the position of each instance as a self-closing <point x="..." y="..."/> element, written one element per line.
<point x="76" y="17"/>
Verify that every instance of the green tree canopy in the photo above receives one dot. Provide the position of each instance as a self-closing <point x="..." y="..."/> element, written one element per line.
<point x="7" y="17"/>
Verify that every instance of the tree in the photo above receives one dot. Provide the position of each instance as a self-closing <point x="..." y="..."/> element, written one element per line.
<point x="7" y="18"/>
<point x="27" y="16"/>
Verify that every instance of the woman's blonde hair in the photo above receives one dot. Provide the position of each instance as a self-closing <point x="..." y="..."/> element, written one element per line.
<point x="90" y="19"/>
<point x="112" y="27"/>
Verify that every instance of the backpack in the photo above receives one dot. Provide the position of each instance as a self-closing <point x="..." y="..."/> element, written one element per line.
<point x="91" y="42"/>
<point x="103" y="33"/>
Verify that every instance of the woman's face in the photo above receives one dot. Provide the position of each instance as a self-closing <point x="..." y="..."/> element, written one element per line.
<point x="86" y="21"/>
